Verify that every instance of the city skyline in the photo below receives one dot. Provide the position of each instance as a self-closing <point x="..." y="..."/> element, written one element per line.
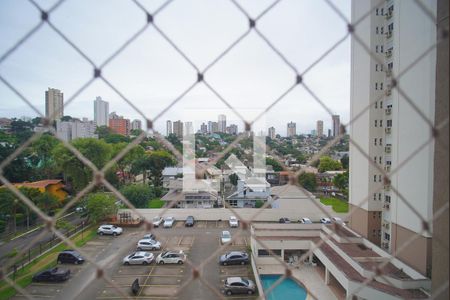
<point x="33" y="68"/>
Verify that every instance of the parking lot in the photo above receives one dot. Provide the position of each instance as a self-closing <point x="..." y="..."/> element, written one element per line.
<point x="156" y="281"/>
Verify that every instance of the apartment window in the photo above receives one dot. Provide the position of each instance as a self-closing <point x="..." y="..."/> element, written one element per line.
<point x="379" y="232"/>
<point x="374" y="178"/>
<point x="379" y="213"/>
<point x="381" y="86"/>
<point x="376" y="123"/>
<point x="390" y="66"/>
<point x="379" y="199"/>
<point x="389" y="123"/>
<point x="387" y="236"/>
<point x="376" y="48"/>
<point x="375" y="159"/>
<point x="375" y="141"/>
<point x="374" y="196"/>
<point x="381" y="68"/>
<point x="376" y="85"/>
<point x="379" y="178"/>
<point x="381" y="104"/>
<point x="381" y="123"/>
<point x="376" y="67"/>
<point x="382" y="11"/>
<point x="379" y="161"/>
<point x="388" y="162"/>
<point x="376" y="104"/>
<point x="376" y="12"/>
<point x="391" y="27"/>
<point x="387" y="198"/>
<point x="376" y="30"/>
<point x="381" y="49"/>
<point x="382" y="29"/>
<point x="374" y="232"/>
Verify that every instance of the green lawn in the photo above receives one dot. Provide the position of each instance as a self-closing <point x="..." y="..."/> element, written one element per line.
<point x="23" y="276"/>
<point x="337" y="204"/>
<point x="156" y="203"/>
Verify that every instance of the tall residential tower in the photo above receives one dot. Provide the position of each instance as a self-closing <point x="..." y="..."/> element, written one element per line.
<point x="54" y="104"/>
<point x="101" y="112"/>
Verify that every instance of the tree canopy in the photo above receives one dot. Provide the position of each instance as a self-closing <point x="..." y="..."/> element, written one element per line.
<point x="100" y="206"/>
<point x="328" y="164"/>
<point x="308" y="181"/>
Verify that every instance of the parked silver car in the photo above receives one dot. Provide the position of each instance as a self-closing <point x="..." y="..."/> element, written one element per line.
<point x="225" y="237"/>
<point x="239" y="285"/>
<point x="109" y="229"/>
<point x="148" y="244"/>
<point x="168" y="222"/>
<point x="156" y="221"/>
<point x="138" y="258"/>
<point x="171" y="257"/>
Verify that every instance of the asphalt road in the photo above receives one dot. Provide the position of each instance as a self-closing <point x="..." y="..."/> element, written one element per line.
<point x="23" y="241"/>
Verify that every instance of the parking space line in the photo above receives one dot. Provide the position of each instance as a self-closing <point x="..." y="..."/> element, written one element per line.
<point x="179" y="242"/>
<point x="146" y="279"/>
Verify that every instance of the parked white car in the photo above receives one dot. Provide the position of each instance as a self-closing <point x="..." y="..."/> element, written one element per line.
<point x="225" y="237"/>
<point x="156" y="221"/>
<point x="138" y="258"/>
<point x="171" y="257"/>
<point x="168" y="222"/>
<point x="325" y="221"/>
<point x="109" y="229"/>
<point x="337" y="220"/>
<point x="148" y="244"/>
<point x="233" y="221"/>
<point x="305" y="221"/>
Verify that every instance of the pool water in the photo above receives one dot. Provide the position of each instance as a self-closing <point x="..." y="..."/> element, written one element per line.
<point x="287" y="289"/>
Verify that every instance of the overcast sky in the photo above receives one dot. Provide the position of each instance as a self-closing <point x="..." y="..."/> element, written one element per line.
<point x="152" y="74"/>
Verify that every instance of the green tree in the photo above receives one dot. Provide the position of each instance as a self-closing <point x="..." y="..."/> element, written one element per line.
<point x="308" y="181"/>
<point x="274" y="163"/>
<point x="341" y="181"/>
<point x="41" y="153"/>
<point x="138" y="194"/>
<point x="97" y="151"/>
<point x="328" y="164"/>
<point x="100" y="206"/>
<point x="233" y="179"/>
<point x="125" y="164"/>
<point x="9" y="205"/>
<point x="103" y="131"/>
<point x="115" y="138"/>
<point x="158" y="160"/>
<point x="47" y="202"/>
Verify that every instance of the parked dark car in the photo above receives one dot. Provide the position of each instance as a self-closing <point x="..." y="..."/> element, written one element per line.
<point x="70" y="257"/>
<point x="52" y="275"/>
<point x="284" y="220"/>
<point x="189" y="221"/>
<point x="234" y="258"/>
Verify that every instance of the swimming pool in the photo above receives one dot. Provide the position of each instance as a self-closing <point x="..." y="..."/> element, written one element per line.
<point x="287" y="289"/>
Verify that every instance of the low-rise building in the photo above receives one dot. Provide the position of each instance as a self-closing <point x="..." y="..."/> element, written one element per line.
<point x="249" y="191"/>
<point x="55" y="187"/>
<point x="202" y="195"/>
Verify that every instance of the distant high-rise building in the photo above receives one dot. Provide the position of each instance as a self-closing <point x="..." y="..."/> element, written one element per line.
<point x="291" y="129"/>
<point x="313" y="132"/>
<point x="222" y="123"/>
<point x="214" y="127"/>
<point x="54" y="104"/>
<point x="329" y="133"/>
<point x="232" y="129"/>
<point x="271" y="132"/>
<point x="319" y="128"/>
<point x="169" y="129"/>
<point x="189" y="127"/>
<point x="119" y="124"/>
<point x="178" y="129"/>
<point x="203" y="128"/>
<point x="385" y="128"/>
<point x="336" y="124"/>
<point x="101" y="112"/>
<point x="70" y="130"/>
<point x="136" y="124"/>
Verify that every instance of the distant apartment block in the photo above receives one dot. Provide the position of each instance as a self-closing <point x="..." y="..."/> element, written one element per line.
<point x="54" y="104"/>
<point x="70" y="130"/>
<point x="222" y="124"/>
<point x="271" y="132"/>
<point x="136" y="124"/>
<point x="232" y="129"/>
<point x="319" y="128"/>
<point x="397" y="33"/>
<point x="119" y="124"/>
<point x="291" y="129"/>
<point x="101" y="112"/>
<point x="169" y="129"/>
<point x="178" y="129"/>
<point x="336" y="124"/>
<point x="203" y="128"/>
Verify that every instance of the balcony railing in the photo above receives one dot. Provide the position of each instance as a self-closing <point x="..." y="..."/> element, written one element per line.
<point x="388" y="73"/>
<point x="385" y="245"/>
<point x="388" y="111"/>
<point x="387" y="168"/>
<point x="388" y="54"/>
<point x="386" y="225"/>
<point x="388" y="130"/>
<point x="388" y="15"/>
<point x="386" y="205"/>
<point x="387" y="187"/>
